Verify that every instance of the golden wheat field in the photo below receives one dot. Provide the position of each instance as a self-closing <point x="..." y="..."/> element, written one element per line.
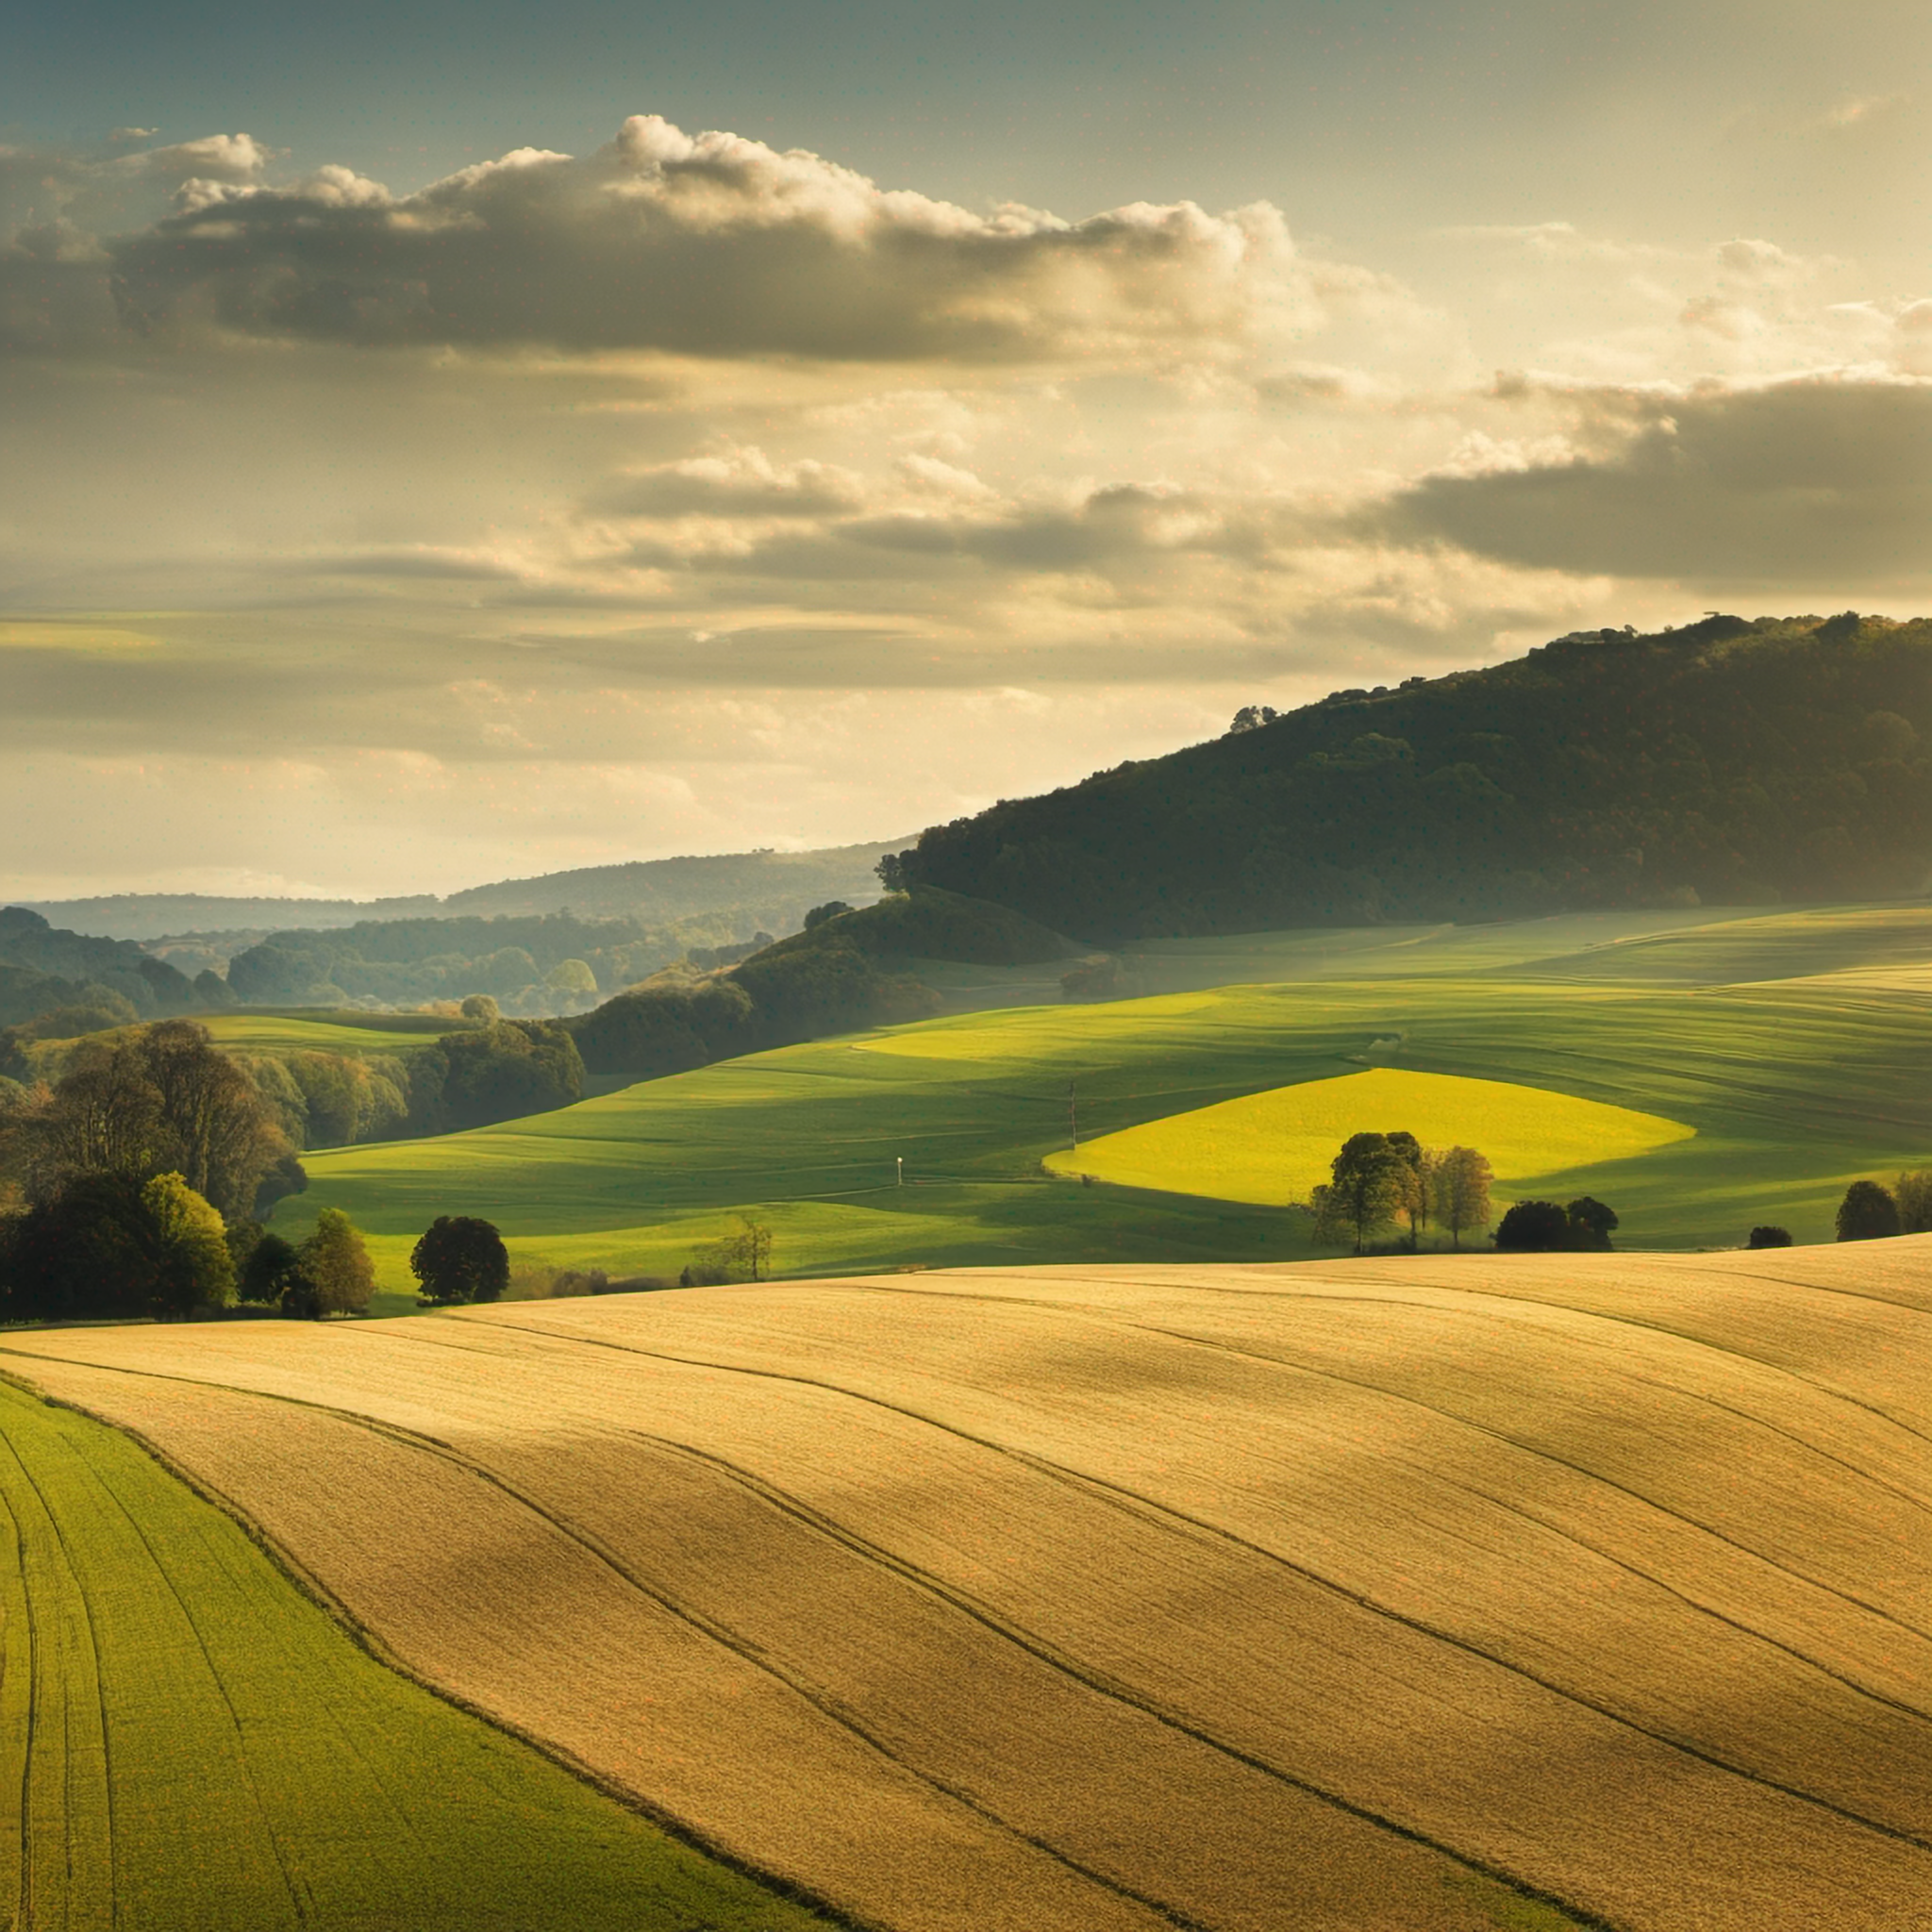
<point x="1390" y="1596"/>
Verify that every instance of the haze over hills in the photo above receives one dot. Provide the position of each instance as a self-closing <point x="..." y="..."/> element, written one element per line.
<point x="1780" y="760"/>
<point x="652" y="890"/>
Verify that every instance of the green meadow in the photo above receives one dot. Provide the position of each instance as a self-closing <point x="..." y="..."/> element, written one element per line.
<point x="188" y="1740"/>
<point x="263" y="1031"/>
<point x="1795" y="1047"/>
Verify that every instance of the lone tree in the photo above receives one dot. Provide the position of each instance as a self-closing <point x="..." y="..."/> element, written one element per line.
<point x="1534" y="1228"/>
<point x="460" y="1258"/>
<point x="1766" y="1236"/>
<point x="1591" y="1224"/>
<point x="1461" y="1186"/>
<point x="333" y="1274"/>
<point x="731" y="1257"/>
<point x="1364" y="1191"/>
<point x="1867" y="1213"/>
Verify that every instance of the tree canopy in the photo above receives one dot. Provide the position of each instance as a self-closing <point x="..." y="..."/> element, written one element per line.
<point x="1867" y="1212"/>
<point x="1779" y="758"/>
<point x="460" y="1258"/>
<point x="1368" y="1182"/>
<point x="163" y="1099"/>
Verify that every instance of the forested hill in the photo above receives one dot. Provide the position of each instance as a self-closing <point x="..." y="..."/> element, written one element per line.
<point x="1781" y="759"/>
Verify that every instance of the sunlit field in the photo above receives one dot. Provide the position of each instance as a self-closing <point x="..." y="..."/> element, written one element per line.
<point x="1272" y="1148"/>
<point x="1790" y="1088"/>
<point x="264" y="1032"/>
<point x="1452" y="1594"/>
<point x="188" y="1739"/>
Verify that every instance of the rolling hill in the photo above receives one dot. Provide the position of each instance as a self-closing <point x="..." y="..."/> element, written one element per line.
<point x="1454" y="1594"/>
<point x="655" y="890"/>
<point x="1791" y="1086"/>
<point x="1736" y="762"/>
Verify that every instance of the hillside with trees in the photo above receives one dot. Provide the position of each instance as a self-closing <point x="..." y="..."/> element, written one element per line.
<point x="848" y="968"/>
<point x="765" y="888"/>
<point x="1784" y="760"/>
<point x="533" y="967"/>
<point x="45" y="969"/>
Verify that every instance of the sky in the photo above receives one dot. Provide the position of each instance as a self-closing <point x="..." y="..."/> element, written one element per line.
<point x="440" y="443"/>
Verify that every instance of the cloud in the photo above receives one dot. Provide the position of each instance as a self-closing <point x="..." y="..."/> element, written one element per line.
<point x="737" y="483"/>
<point x="1816" y="480"/>
<point x="714" y="245"/>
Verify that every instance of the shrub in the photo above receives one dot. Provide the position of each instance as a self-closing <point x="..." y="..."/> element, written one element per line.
<point x="1769" y="1237"/>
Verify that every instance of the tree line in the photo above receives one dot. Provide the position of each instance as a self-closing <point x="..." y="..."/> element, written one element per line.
<point x="1871" y="1212"/>
<point x="1382" y="1180"/>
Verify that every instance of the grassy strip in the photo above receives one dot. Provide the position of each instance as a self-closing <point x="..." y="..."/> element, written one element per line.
<point x="188" y="1742"/>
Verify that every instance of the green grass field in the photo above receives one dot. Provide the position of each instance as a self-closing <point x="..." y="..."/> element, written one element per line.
<point x="1273" y="1148"/>
<point x="189" y="1744"/>
<point x="1792" y="1088"/>
<point x="266" y="1032"/>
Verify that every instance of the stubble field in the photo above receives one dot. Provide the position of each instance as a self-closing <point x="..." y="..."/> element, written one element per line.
<point x="1454" y="1592"/>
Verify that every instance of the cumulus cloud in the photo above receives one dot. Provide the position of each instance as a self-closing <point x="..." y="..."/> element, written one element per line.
<point x="1817" y="480"/>
<point x="715" y="245"/>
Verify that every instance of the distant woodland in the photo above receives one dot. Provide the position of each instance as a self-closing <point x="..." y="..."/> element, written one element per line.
<point x="1786" y="760"/>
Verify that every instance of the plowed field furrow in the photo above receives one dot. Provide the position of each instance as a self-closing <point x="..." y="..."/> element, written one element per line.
<point x="413" y="1545"/>
<point x="1644" y="1433"/>
<point x="1152" y="1596"/>
<point x="1225" y="1840"/>
<point x="1709" y="1574"/>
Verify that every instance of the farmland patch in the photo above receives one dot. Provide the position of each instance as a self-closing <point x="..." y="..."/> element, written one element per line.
<point x="1274" y="1147"/>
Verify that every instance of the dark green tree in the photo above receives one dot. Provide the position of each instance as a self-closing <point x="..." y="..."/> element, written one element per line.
<point x="460" y="1258"/>
<point x="1867" y="1212"/>
<point x="1534" y="1228"/>
<point x="1591" y="1224"/>
<point x="264" y="1263"/>
<point x="1770" y="1236"/>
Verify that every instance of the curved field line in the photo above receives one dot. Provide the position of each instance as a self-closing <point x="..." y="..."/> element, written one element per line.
<point x="1451" y="1639"/>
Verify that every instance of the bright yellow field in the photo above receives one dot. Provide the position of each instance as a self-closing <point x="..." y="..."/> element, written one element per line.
<point x="1446" y="1593"/>
<point x="1274" y="1147"/>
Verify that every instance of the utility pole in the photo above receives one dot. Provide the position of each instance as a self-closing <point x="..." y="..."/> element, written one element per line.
<point x="900" y="1160"/>
<point x="1074" y="1115"/>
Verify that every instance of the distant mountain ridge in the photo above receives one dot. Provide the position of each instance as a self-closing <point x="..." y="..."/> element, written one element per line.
<point x="651" y="891"/>
<point x="1780" y="759"/>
